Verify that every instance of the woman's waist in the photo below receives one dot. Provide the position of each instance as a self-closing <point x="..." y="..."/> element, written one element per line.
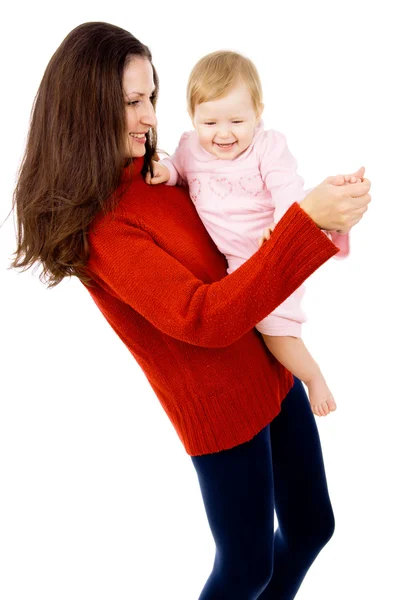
<point x="178" y="364"/>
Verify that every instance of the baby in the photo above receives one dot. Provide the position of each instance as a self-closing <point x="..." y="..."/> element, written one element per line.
<point x="242" y="179"/>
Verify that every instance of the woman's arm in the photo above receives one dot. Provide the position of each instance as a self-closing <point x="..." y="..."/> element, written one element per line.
<point x="135" y="269"/>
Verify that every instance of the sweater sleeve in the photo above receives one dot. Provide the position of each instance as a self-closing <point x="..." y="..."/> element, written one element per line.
<point x="136" y="270"/>
<point x="340" y="240"/>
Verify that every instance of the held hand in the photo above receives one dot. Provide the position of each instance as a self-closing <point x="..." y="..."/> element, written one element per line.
<point x="347" y="179"/>
<point x="337" y="180"/>
<point x="160" y="174"/>
<point x="351" y="178"/>
<point x="335" y="206"/>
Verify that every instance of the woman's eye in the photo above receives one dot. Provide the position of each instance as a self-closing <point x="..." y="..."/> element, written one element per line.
<point x="137" y="102"/>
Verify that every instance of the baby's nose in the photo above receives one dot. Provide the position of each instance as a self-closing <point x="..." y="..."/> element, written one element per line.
<point x="224" y="132"/>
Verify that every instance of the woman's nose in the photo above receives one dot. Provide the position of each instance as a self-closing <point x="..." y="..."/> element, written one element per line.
<point x="149" y="118"/>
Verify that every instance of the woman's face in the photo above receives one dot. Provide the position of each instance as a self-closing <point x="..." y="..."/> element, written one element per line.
<point x="138" y="87"/>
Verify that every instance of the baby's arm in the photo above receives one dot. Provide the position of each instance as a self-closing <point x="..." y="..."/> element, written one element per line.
<point x="278" y="169"/>
<point x="171" y="170"/>
<point x="340" y="180"/>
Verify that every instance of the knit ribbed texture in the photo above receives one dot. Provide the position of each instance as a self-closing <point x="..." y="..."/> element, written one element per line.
<point x="161" y="284"/>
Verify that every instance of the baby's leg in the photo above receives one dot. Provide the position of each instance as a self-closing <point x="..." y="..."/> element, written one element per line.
<point x="292" y="353"/>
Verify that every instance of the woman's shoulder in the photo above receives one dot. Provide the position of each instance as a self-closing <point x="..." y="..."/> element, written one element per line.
<point x="138" y="203"/>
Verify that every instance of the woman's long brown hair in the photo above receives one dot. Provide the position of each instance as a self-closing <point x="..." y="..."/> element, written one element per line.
<point x="76" y="150"/>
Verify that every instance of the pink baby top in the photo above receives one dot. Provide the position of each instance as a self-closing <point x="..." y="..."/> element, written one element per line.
<point x="236" y="199"/>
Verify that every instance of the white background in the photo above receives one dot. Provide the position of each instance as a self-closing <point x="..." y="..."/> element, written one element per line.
<point x="98" y="498"/>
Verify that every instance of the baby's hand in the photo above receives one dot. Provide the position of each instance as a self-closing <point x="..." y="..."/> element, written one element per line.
<point x="352" y="178"/>
<point x="266" y="234"/>
<point x="161" y="174"/>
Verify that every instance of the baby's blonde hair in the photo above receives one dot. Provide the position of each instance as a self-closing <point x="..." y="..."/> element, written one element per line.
<point x="217" y="73"/>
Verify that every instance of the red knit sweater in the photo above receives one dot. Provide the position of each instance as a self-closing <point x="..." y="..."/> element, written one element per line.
<point x="161" y="283"/>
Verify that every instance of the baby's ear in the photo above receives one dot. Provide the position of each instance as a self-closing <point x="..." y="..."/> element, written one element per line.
<point x="260" y="112"/>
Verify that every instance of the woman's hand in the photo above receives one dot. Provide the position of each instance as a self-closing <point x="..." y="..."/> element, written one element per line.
<point x="337" y="180"/>
<point x="335" y="206"/>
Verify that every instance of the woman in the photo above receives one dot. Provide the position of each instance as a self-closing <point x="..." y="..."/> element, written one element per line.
<point x="83" y="209"/>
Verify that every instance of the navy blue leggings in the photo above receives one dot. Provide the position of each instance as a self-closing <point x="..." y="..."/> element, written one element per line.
<point x="280" y="469"/>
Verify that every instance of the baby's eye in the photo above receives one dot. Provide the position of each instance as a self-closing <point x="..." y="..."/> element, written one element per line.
<point x="210" y="123"/>
<point x="237" y="122"/>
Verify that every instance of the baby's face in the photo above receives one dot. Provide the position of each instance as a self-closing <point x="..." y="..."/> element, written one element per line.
<point x="226" y="126"/>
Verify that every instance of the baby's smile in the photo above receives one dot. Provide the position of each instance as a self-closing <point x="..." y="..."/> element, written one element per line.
<point x="225" y="146"/>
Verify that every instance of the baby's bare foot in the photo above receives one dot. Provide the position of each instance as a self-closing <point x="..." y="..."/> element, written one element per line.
<point x="320" y="397"/>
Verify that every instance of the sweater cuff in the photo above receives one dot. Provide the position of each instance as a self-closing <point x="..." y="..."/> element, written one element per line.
<point x="310" y="247"/>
